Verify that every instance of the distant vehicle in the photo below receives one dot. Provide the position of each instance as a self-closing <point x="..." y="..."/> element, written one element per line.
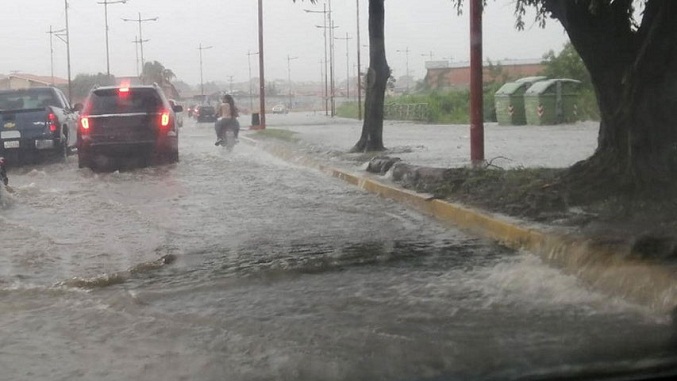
<point x="191" y="110"/>
<point x="179" y="115"/>
<point x="122" y="121"/>
<point x="280" y="109"/>
<point x="38" y="119"/>
<point x="205" y="113"/>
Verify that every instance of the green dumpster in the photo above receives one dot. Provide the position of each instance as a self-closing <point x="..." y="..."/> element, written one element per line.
<point x="509" y="101"/>
<point x="552" y="101"/>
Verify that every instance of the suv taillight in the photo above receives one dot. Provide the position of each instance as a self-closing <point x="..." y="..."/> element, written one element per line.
<point x="164" y="119"/>
<point x="84" y="123"/>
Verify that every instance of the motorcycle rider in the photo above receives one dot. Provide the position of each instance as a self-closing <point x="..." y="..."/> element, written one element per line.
<point x="226" y="114"/>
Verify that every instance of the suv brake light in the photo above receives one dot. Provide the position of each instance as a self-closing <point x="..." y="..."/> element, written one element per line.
<point x="84" y="123"/>
<point x="164" y="119"/>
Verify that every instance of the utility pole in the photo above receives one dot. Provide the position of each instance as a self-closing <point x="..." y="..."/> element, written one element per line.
<point x="331" y="63"/>
<point x="249" y="61"/>
<point x="262" y="80"/>
<point x="406" y="51"/>
<point x="202" y="84"/>
<point x="289" y="59"/>
<point x="68" y="56"/>
<point x="347" y="38"/>
<point x="359" y="67"/>
<point x="105" y="12"/>
<point x="230" y="80"/>
<point x="476" y="118"/>
<point x="141" y="40"/>
<point x="429" y="55"/>
<point x="326" y="78"/>
<point x="51" y="33"/>
<point x="137" y="42"/>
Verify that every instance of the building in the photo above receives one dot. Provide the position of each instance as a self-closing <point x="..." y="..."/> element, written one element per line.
<point x="25" y="81"/>
<point x="443" y="75"/>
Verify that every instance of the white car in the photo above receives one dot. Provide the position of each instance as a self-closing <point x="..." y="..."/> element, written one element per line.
<point x="280" y="109"/>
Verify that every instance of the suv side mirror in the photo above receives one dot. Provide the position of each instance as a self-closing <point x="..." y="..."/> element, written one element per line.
<point x="177" y="108"/>
<point x="78" y="107"/>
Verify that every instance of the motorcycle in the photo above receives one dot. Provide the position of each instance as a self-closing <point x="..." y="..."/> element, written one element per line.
<point x="227" y="138"/>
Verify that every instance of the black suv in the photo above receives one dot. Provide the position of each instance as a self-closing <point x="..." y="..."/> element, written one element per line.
<point x="205" y="113"/>
<point x="123" y="121"/>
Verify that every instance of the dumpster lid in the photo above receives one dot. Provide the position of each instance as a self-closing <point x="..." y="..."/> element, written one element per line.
<point x="532" y="79"/>
<point x="543" y="86"/>
<point x="509" y="88"/>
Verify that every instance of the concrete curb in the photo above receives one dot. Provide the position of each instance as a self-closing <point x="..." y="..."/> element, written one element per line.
<point x="605" y="267"/>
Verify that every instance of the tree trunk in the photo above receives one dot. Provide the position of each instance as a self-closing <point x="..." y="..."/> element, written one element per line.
<point x="634" y="73"/>
<point x="377" y="79"/>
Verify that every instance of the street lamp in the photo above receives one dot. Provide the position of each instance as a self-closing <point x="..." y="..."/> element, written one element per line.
<point x="331" y="65"/>
<point x="347" y="38"/>
<point x="262" y="79"/>
<point x="202" y="85"/>
<point x="326" y="76"/>
<point x="141" y="40"/>
<point x="359" y="66"/>
<point x="68" y="55"/>
<point x="59" y="33"/>
<point x="105" y="11"/>
<point x="249" y="62"/>
<point x="406" y="51"/>
<point x="289" y="59"/>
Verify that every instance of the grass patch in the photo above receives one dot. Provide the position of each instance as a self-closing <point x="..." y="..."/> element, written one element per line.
<point x="276" y="133"/>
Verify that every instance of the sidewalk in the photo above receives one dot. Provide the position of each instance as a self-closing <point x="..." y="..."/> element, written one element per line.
<point x="449" y="145"/>
<point x="602" y="263"/>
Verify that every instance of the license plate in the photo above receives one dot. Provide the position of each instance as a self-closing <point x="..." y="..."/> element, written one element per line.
<point x="10" y="134"/>
<point x="12" y="144"/>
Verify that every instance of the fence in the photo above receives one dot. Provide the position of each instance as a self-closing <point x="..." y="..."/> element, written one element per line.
<point x="408" y="111"/>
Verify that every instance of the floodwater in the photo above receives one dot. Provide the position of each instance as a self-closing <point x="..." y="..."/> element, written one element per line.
<point x="243" y="267"/>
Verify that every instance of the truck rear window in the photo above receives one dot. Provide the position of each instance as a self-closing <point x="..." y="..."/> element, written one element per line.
<point x="111" y="101"/>
<point x="28" y="99"/>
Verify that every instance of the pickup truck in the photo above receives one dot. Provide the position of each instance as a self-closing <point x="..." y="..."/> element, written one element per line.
<point x="36" y="120"/>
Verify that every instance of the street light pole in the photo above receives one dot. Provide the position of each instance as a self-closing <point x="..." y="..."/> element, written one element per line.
<point x="262" y="80"/>
<point x="326" y="77"/>
<point x="359" y="67"/>
<point x="68" y="56"/>
<point x="406" y="51"/>
<point x="51" y="47"/>
<point x="249" y="62"/>
<point x="289" y="59"/>
<point x="137" y="42"/>
<point x="105" y="11"/>
<point x="347" y="38"/>
<point x="230" y="81"/>
<point x="202" y="84"/>
<point x="141" y="40"/>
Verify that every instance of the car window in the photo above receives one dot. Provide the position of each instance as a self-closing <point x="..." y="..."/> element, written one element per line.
<point x="112" y="101"/>
<point x="27" y="99"/>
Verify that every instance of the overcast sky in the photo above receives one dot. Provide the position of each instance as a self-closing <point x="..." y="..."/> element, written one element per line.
<point x="230" y="27"/>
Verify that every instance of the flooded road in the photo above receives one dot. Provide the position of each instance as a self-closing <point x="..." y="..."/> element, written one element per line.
<point x="279" y="273"/>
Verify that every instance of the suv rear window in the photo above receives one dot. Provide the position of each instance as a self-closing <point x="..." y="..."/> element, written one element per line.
<point x="112" y="101"/>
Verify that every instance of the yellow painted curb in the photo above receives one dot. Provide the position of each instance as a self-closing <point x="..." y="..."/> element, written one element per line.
<point x="604" y="267"/>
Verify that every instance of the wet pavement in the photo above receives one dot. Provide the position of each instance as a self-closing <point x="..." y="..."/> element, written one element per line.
<point x="449" y="145"/>
<point x="280" y="273"/>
